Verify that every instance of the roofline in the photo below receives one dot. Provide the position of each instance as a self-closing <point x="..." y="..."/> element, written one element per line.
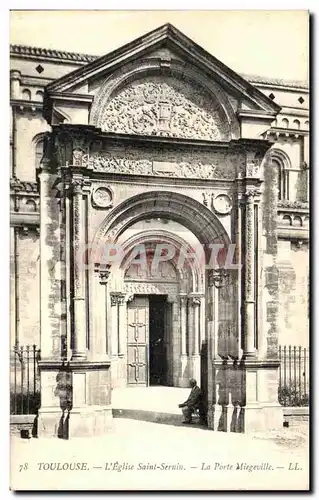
<point x="32" y="52"/>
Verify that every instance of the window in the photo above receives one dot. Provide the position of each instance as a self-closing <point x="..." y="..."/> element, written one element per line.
<point x="281" y="163"/>
<point x="38" y="152"/>
<point x="26" y="95"/>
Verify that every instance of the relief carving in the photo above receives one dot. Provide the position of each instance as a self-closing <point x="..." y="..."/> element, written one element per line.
<point x="151" y="288"/>
<point x="102" y="197"/>
<point x="165" y="107"/>
<point x="222" y="204"/>
<point x="169" y="164"/>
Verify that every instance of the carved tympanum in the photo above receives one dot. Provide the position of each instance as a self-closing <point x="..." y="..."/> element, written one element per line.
<point x="165" y="107"/>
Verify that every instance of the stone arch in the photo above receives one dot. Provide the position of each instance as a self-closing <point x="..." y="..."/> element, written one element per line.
<point x="26" y="95"/>
<point x="178" y="207"/>
<point x="282" y="162"/>
<point x="285" y="123"/>
<point x="160" y="236"/>
<point x="123" y="77"/>
<point x="39" y="95"/>
<point x="38" y="148"/>
<point x="296" y="124"/>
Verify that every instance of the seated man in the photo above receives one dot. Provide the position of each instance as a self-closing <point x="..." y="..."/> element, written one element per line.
<point x="192" y="402"/>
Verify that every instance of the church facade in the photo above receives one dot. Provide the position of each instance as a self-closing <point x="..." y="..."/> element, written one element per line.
<point x="159" y="227"/>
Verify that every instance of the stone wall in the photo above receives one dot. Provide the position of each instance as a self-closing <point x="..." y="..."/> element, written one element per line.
<point x="293" y="266"/>
<point x="27" y="288"/>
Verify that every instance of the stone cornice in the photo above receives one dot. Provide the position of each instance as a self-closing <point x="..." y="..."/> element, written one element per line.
<point x="287" y="204"/>
<point x="30" y="52"/>
<point x="94" y="133"/>
<point x="20" y="103"/>
<point x="24" y="219"/>
<point x="23" y="187"/>
<point x="69" y="96"/>
<point x="276" y="131"/>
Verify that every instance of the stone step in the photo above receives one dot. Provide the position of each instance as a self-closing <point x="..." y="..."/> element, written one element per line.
<point x="152" y="416"/>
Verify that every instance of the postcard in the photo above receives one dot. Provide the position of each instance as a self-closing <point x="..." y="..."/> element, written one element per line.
<point x="159" y="228"/>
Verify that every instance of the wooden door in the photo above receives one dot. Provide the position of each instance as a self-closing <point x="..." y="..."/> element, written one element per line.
<point x="137" y="341"/>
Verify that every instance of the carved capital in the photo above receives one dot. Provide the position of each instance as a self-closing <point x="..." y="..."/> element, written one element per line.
<point x="117" y="298"/>
<point x="194" y="301"/>
<point x="76" y="185"/>
<point x="251" y="194"/>
<point x="171" y="299"/>
<point x="217" y="277"/>
<point x="104" y="274"/>
<point x="183" y="300"/>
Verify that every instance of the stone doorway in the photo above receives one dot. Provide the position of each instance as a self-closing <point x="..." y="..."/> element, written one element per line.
<point x="149" y="341"/>
<point x="159" y="341"/>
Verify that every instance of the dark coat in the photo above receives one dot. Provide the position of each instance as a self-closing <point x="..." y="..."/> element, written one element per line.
<point x="193" y="398"/>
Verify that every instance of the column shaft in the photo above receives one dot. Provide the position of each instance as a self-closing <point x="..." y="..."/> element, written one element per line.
<point x="79" y="342"/>
<point x="249" y="344"/>
<point x="196" y="304"/>
<point x="183" y="311"/>
<point x="190" y="327"/>
<point x="46" y="258"/>
<point x="122" y="325"/>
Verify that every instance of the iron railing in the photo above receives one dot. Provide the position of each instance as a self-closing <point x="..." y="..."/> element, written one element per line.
<point x="293" y="387"/>
<point x="24" y="380"/>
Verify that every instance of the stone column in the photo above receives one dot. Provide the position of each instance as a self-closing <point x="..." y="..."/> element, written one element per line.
<point x="215" y="369"/>
<point x="101" y="341"/>
<point x="117" y="340"/>
<point x="183" y="323"/>
<point x="173" y="344"/>
<point x="183" y="378"/>
<point x="195" y="305"/>
<point x="79" y="342"/>
<point x="249" y="337"/>
<point x="50" y="342"/>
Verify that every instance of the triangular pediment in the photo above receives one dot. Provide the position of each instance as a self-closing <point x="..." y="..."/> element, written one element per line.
<point x="163" y="84"/>
<point x="167" y="42"/>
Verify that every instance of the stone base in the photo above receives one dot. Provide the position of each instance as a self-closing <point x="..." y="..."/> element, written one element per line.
<point x="244" y="396"/>
<point x="245" y="419"/>
<point x="89" y="422"/>
<point x="75" y="398"/>
<point x="261" y="418"/>
<point x="51" y="423"/>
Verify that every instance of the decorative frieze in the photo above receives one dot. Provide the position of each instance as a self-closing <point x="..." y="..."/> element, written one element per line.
<point x="170" y="164"/>
<point x="151" y="288"/>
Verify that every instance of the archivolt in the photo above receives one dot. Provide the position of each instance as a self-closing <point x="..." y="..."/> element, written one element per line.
<point x="175" y="206"/>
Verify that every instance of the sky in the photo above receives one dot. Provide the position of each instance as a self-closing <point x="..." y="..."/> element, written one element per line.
<point x="266" y="43"/>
